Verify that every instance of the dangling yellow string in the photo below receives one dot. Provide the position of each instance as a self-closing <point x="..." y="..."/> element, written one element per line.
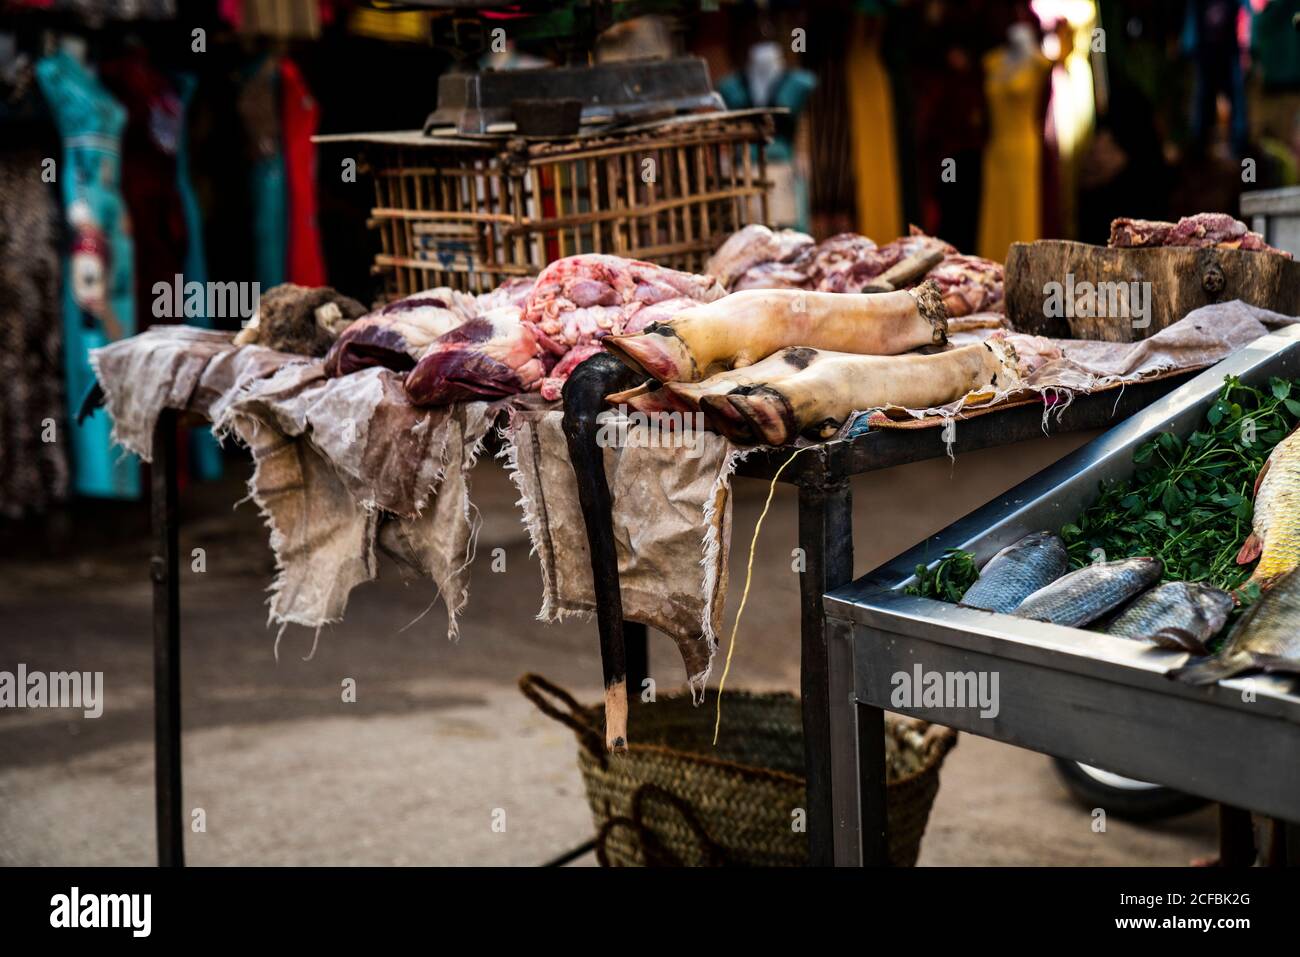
<point x="744" y="595"/>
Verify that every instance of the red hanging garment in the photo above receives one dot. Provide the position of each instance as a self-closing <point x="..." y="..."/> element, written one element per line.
<point x="300" y="116"/>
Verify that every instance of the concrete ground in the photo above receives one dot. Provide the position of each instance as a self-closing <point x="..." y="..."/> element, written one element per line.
<point x="439" y="745"/>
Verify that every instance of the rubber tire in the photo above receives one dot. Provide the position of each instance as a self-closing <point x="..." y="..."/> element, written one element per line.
<point x="1127" y="805"/>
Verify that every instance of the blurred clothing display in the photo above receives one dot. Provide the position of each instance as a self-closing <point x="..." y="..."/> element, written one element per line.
<point x="258" y="107"/>
<point x="205" y="452"/>
<point x="767" y="81"/>
<point x="301" y="117"/>
<point x="1211" y="41"/>
<point x="149" y="147"/>
<point x="871" y="120"/>
<point x="1011" y="205"/>
<point x="98" y="291"/>
<point x="33" y="423"/>
<point x="1071" y="113"/>
<point x="1275" y="44"/>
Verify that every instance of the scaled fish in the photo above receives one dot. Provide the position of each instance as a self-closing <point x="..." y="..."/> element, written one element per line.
<point x="1182" y="616"/>
<point x="1275" y="540"/>
<point x="1016" y="572"/>
<point x="1087" y="593"/>
<point x="1266" y="639"/>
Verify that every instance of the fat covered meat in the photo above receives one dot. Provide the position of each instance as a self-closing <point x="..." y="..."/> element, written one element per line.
<point x="488" y="357"/>
<point x="396" y="335"/>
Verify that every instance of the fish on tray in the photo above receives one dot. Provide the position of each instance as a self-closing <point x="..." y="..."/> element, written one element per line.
<point x="1017" y="571"/>
<point x="1275" y="540"/>
<point x="1181" y="616"/>
<point x="1087" y="593"/>
<point x="1267" y="638"/>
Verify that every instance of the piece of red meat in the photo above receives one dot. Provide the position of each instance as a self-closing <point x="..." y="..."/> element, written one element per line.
<point x="489" y="357"/>
<point x="579" y="300"/>
<point x="553" y="384"/>
<point x="1198" y="231"/>
<point x="754" y="247"/>
<point x="969" y="284"/>
<point x="397" y="335"/>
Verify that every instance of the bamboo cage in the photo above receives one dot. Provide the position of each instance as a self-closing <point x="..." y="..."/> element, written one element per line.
<point x="471" y="212"/>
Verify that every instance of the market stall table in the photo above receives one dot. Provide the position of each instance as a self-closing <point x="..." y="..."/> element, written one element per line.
<point x="823" y="477"/>
<point x="1088" y="697"/>
<point x="825" y="535"/>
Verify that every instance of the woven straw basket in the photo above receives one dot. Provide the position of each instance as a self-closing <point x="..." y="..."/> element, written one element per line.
<point x="675" y="800"/>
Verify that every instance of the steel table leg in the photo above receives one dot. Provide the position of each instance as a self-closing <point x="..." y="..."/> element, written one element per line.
<point x="871" y="786"/>
<point x="1236" y="837"/>
<point x="637" y="650"/>
<point x="826" y="537"/>
<point x="164" y="570"/>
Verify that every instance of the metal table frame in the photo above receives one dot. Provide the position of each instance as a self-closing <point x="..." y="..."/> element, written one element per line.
<point x="1063" y="691"/>
<point x="825" y="534"/>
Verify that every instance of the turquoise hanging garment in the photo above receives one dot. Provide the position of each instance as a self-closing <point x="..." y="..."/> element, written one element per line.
<point x="205" y="453"/>
<point x="259" y="107"/>
<point x="98" y="282"/>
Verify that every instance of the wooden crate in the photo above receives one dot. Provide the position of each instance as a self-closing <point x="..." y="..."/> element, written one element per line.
<point x="470" y="212"/>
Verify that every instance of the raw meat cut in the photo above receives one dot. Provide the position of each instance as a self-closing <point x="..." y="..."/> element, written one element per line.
<point x="850" y="263"/>
<point x="846" y="263"/>
<point x="754" y="246"/>
<point x="553" y="384"/>
<point x="512" y="292"/>
<point x="969" y="284"/>
<point x="397" y="335"/>
<point x="1201" y="230"/>
<point x="579" y="300"/>
<point x="487" y="357"/>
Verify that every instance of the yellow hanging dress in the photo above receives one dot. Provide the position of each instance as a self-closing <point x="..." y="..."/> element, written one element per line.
<point x="1010" y="204"/>
<point x="871" y="125"/>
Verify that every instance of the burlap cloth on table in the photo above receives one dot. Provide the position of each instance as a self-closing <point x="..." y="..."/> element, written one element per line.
<point x="672" y="528"/>
<point x="341" y="466"/>
<point x="672" y="513"/>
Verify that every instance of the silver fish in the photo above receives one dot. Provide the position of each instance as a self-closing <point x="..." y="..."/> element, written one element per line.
<point x="1016" y="572"/>
<point x="1267" y="638"/>
<point x="1087" y="593"/>
<point x="1182" y="616"/>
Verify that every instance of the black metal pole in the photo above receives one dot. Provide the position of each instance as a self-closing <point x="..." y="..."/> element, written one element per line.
<point x="164" y="570"/>
<point x="637" y="653"/>
<point x="871" y="786"/>
<point x="826" y="537"/>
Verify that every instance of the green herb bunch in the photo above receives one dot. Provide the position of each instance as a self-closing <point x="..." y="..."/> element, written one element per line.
<point x="951" y="576"/>
<point x="1189" y="503"/>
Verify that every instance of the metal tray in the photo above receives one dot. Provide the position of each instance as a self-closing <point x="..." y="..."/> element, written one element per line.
<point x="1107" y="688"/>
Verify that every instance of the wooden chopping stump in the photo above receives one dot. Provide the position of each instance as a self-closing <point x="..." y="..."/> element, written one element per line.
<point x="1181" y="278"/>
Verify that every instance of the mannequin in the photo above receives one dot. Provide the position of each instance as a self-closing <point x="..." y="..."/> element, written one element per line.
<point x="1015" y="77"/>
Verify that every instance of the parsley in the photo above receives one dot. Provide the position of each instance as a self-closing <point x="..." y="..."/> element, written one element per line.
<point x="1189" y="502"/>
<point x="949" y="579"/>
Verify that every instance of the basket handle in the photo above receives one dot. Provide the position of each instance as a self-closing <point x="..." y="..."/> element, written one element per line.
<point x="652" y="849"/>
<point x="535" y="688"/>
<point x="937" y="740"/>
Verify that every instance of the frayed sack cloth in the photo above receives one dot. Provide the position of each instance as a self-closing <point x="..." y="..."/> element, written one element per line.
<point x="1197" y="341"/>
<point x="672" y="527"/>
<point x="342" y="467"/>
